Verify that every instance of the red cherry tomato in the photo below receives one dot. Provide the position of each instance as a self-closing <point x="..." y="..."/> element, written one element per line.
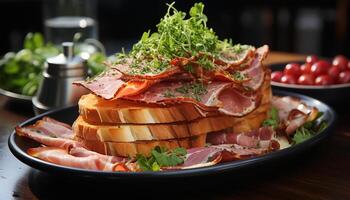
<point x="276" y="76"/>
<point x="344" y="77"/>
<point x="311" y="59"/>
<point x="324" y="80"/>
<point x="289" y="79"/>
<point x="305" y="68"/>
<point x="320" y="68"/>
<point x="306" y="79"/>
<point x="341" y="62"/>
<point x="348" y="66"/>
<point x="292" y="69"/>
<point x="334" y="72"/>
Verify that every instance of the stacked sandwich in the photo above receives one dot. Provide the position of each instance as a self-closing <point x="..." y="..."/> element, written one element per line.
<point x="126" y="127"/>
<point x="175" y="88"/>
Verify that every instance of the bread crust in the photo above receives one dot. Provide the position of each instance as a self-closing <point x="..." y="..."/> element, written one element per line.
<point x="131" y="149"/>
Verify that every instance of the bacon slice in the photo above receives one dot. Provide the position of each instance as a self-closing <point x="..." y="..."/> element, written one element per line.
<point x="62" y="157"/>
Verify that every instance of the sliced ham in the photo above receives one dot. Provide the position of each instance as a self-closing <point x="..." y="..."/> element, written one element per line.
<point x="231" y="152"/>
<point x="231" y="59"/>
<point x="199" y="157"/>
<point x="105" y="85"/>
<point x="293" y="113"/>
<point x="46" y="138"/>
<point x="83" y="152"/>
<point x="130" y="71"/>
<point x="54" y="128"/>
<point x="62" y="157"/>
<point x="262" y="137"/>
<point x="256" y="72"/>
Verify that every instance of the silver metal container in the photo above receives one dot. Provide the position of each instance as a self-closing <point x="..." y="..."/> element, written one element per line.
<point x="56" y="88"/>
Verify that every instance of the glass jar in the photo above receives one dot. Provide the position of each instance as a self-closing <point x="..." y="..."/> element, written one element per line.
<point x="64" y="19"/>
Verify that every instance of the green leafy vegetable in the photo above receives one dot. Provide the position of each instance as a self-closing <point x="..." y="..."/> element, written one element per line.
<point x="21" y="72"/>
<point x="273" y="120"/>
<point x="95" y="63"/>
<point x="309" y="129"/>
<point x="301" y="135"/>
<point x="160" y="157"/>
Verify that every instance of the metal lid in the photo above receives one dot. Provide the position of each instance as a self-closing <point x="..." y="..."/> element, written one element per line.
<point x="65" y="64"/>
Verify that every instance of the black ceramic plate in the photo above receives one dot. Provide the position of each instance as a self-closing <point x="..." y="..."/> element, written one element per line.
<point x="18" y="146"/>
<point x="333" y="94"/>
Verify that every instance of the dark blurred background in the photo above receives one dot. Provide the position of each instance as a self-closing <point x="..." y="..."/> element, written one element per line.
<point x="317" y="27"/>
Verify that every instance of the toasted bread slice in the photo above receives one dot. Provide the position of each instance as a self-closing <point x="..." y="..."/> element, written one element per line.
<point x="97" y="110"/>
<point x="136" y="132"/>
<point x="131" y="149"/>
<point x="132" y="132"/>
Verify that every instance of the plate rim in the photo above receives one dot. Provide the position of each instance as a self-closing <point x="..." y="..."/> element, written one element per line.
<point x="211" y="170"/>
<point x="15" y="96"/>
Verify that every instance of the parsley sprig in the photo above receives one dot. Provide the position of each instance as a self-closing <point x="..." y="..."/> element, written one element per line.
<point x="161" y="157"/>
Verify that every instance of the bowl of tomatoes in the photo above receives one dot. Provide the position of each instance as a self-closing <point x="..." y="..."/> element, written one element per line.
<point x="325" y="79"/>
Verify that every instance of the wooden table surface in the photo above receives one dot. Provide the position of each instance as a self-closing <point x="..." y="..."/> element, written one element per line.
<point x="322" y="172"/>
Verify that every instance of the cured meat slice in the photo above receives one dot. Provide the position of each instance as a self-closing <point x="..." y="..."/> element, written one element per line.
<point x="142" y="71"/>
<point x="222" y="96"/>
<point x="105" y="85"/>
<point x="54" y="128"/>
<point x="199" y="157"/>
<point x="293" y="113"/>
<point x="261" y="137"/>
<point x="62" y="157"/>
<point x="231" y="152"/>
<point x="256" y="72"/>
<point x="82" y="152"/>
<point x="46" y="138"/>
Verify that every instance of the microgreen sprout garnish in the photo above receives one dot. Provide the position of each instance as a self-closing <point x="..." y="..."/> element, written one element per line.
<point x="239" y="76"/>
<point x="192" y="90"/>
<point x="178" y="35"/>
<point x="161" y="157"/>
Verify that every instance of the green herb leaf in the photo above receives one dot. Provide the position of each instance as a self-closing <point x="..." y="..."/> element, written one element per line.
<point x="38" y="40"/>
<point x="302" y="134"/>
<point x="273" y="120"/>
<point x="160" y="157"/>
<point x="309" y="129"/>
